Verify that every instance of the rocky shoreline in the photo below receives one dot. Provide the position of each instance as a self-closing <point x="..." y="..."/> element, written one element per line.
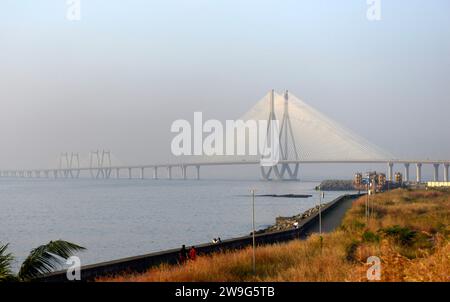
<point x="336" y="185"/>
<point x="289" y="223"/>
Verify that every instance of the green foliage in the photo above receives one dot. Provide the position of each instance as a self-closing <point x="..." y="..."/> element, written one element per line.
<point x="403" y="235"/>
<point x="369" y="236"/>
<point x="357" y="225"/>
<point x="43" y="259"/>
<point x="46" y="258"/>
<point x="5" y="264"/>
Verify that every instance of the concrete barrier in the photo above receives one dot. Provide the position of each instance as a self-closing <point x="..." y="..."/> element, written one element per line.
<point x="142" y="263"/>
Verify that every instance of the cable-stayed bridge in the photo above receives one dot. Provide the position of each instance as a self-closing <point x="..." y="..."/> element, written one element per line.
<point x="303" y="136"/>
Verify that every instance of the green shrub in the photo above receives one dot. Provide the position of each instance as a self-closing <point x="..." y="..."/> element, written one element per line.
<point x="369" y="236"/>
<point x="351" y="251"/>
<point x="402" y="235"/>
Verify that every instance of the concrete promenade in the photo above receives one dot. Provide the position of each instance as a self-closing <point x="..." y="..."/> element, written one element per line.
<point x="332" y="215"/>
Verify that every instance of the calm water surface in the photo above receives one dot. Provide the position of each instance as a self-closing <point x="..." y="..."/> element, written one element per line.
<point x="121" y="218"/>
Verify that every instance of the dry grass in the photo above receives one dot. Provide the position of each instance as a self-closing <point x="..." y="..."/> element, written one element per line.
<point x="409" y="232"/>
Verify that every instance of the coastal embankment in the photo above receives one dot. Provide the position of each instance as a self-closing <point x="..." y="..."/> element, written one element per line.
<point x="331" y="213"/>
<point x="402" y="236"/>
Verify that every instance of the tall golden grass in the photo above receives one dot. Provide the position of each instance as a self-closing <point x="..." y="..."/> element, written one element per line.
<point x="341" y="255"/>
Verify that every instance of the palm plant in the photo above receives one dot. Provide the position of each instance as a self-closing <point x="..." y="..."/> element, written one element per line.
<point x="43" y="259"/>
<point x="5" y="264"/>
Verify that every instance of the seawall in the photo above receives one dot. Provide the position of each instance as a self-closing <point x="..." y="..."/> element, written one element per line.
<point x="332" y="215"/>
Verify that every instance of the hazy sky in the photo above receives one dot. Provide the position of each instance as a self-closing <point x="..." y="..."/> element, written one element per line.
<point x="121" y="75"/>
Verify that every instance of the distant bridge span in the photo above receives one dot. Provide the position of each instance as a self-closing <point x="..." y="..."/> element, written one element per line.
<point x="306" y="136"/>
<point x="115" y="171"/>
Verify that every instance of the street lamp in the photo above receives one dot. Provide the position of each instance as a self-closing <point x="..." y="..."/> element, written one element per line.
<point x="253" y="226"/>
<point x="320" y="210"/>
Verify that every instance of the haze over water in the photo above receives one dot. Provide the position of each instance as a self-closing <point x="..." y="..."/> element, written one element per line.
<point x="121" y="218"/>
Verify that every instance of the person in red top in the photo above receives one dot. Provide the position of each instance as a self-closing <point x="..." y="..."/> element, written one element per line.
<point x="192" y="253"/>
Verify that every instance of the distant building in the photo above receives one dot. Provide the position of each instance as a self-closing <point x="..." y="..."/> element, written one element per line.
<point x="398" y="177"/>
<point x="438" y="184"/>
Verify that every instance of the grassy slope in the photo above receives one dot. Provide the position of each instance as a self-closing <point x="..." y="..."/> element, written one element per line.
<point x="409" y="231"/>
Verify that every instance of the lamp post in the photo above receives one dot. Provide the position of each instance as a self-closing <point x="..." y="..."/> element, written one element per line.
<point x="320" y="210"/>
<point x="253" y="233"/>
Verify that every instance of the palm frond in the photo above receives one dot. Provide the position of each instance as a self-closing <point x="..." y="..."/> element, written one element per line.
<point x="46" y="258"/>
<point x="5" y="264"/>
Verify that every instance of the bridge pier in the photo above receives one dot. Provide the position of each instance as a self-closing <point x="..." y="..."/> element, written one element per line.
<point x="407" y="172"/>
<point x="75" y="173"/>
<point x="155" y="172"/>
<point x="446" y="166"/>
<point x="117" y="173"/>
<point x="285" y="173"/>
<point x="436" y="172"/>
<point x="184" y="172"/>
<point x="198" y="172"/>
<point x="142" y="173"/>
<point x="390" y="171"/>
<point x="169" y="172"/>
<point x="129" y="173"/>
<point x="419" y="172"/>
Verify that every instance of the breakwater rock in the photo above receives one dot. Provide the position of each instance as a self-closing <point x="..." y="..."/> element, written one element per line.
<point x="336" y="185"/>
<point x="289" y="223"/>
<point x="286" y="195"/>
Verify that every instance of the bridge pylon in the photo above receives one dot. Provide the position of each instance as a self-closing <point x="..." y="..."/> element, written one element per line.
<point x="75" y="165"/>
<point x="100" y="164"/>
<point x="64" y="164"/>
<point x="287" y="146"/>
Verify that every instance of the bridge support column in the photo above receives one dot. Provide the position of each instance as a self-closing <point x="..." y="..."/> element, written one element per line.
<point x="117" y="173"/>
<point x="155" y="173"/>
<point x="75" y="173"/>
<point x="390" y="171"/>
<point x="169" y="172"/>
<point x="446" y="166"/>
<point x="407" y="172"/>
<point x="129" y="173"/>
<point x="419" y="172"/>
<point x="142" y="173"/>
<point x="198" y="172"/>
<point x="436" y="172"/>
<point x="184" y="172"/>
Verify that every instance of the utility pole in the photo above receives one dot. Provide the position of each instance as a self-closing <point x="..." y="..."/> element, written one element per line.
<point x="368" y="202"/>
<point x="320" y="210"/>
<point x="253" y="226"/>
